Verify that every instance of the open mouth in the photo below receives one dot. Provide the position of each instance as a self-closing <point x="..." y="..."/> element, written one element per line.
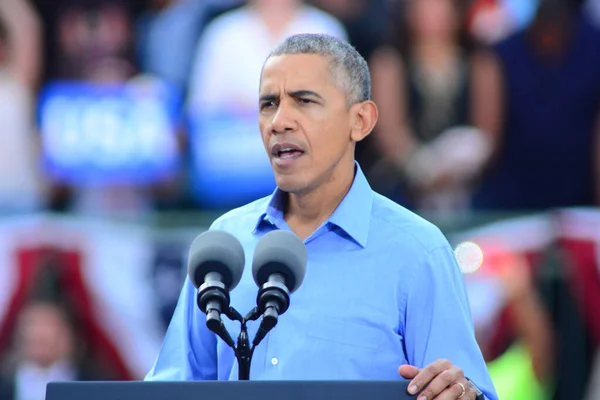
<point x="286" y="151"/>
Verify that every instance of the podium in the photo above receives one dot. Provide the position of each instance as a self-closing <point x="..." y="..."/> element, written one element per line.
<point x="230" y="390"/>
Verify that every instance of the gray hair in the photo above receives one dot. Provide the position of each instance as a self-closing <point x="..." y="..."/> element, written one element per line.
<point x="349" y="68"/>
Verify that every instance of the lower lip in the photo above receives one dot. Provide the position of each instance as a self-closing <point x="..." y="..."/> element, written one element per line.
<point x="286" y="161"/>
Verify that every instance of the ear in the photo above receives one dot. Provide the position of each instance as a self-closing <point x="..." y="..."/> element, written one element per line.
<point x="364" y="117"/>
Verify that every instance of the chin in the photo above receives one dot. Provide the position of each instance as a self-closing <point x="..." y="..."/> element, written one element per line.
<point x="290" y="184"/>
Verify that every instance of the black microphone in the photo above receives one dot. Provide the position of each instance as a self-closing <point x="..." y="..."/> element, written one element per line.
<point x="278" y="268"/>
<point x="215" y="266"/>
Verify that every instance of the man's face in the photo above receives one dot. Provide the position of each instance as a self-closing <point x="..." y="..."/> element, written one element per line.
<point x="304" y="121"/>
<point x="44" y="337"/>
<point x="266" y="4"/>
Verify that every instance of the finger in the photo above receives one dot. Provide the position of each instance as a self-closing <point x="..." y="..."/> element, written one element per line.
<point x="454" y="392"/>
<point x="427" y="374"/>
<point x="441" y="382"/>
<point x="408" y="371"/>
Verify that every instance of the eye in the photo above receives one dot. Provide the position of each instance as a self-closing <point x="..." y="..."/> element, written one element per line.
<point x="267" y="104"/>
<point x="305" y="101"/>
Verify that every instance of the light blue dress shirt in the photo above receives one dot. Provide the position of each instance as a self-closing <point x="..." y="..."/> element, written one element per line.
<point x="382" y="289"/>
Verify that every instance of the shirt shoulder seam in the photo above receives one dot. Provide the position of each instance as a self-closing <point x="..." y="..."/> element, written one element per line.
<point x="406" y="230"/>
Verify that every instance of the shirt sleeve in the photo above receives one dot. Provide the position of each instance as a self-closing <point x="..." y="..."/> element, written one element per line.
<point x="189" y="350"/>
<point x="438" y="322"/>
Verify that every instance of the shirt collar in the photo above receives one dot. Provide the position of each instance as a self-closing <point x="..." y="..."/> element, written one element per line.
<point x="353" y="215"/>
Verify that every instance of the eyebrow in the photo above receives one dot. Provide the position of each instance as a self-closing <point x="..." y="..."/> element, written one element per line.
<point x="305" y="93"/>
<point x="295" y="93"/>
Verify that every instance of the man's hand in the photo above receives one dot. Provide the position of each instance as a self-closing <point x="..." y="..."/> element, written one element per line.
<point x="440" y="380"/>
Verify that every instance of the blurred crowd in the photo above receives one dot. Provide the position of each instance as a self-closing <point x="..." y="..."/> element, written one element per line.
<point x="484" y="106"/>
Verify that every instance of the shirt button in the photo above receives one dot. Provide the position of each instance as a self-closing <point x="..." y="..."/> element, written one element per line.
<point x="274" y="361"/>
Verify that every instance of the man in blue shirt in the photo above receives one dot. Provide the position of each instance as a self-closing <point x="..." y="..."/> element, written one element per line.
<point x="383" y="296"/>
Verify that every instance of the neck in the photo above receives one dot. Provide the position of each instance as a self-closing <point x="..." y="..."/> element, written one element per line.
<point x="435" y="53"/>
<point x="305" y="212"/>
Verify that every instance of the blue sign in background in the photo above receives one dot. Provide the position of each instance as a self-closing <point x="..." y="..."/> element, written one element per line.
<point x="106" y="134"/>
<point x="229" y="164"/>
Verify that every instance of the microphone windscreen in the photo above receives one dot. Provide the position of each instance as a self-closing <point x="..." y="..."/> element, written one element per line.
<point x="280" y="252"/>
<point x="216" y="251"/>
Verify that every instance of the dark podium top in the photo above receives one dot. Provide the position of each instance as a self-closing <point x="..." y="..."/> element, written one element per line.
<point x="225" y="390"/>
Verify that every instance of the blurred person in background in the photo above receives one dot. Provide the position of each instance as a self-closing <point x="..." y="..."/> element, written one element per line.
<point x="44" y="351"/>
<point x="158" y="27"/>
<point x="53" y="324"/>
<point x="233" y="47"/>
<point x="88" y="39"/>
<point x="21" y="185"/>
<point x="507" y="281"/>
<point x="164" y="23"/>
<point x="578" y="244"/>
<point x="421" y="84"/>
<point x="92" y="41"/>
<point x="536" y="96"/>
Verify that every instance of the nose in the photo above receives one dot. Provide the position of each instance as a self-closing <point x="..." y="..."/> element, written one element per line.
<point x="283" y="120"/>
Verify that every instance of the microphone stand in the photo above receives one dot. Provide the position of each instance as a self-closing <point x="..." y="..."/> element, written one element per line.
<point x="243" y="350"/>
<point x="272" y="300"/>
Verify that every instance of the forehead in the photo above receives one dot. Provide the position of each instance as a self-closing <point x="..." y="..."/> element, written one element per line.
<point x="304" y="70"/>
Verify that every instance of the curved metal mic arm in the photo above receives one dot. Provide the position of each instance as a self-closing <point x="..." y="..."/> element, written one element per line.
<point x="243" y="350"/>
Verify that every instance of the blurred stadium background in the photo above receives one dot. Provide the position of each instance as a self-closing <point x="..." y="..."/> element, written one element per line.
<point x="127" y="126"/>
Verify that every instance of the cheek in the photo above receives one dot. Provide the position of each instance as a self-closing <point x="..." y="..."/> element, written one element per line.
<point x="264" y="135"/>
<point x="265" y="139"/>
<point x="328" y="142"/>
